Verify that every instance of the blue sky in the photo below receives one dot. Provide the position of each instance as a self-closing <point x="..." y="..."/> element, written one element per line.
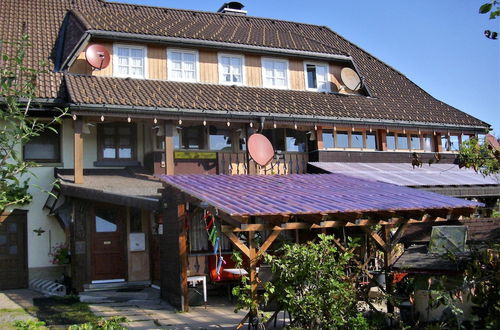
<point x="439" y="45"/>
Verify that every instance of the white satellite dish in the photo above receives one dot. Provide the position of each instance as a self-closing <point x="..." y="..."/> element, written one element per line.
<point x="350" y="78"/>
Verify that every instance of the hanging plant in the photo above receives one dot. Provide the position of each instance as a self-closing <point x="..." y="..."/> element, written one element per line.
<point x="60" y="254"/>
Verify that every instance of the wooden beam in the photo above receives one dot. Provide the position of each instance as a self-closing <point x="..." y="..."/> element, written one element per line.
<point x="183" y="254"/>
<point x="380" y="242"/>
<point x="252" y="271"/>
<point x="319" y="138"/>
<point x="78" y="151"/>
<point x="269" y="241"/>
<point x="399" y="234"/>
<point x="169" y="148"/>
<point x="387" y="268"/>
<point x="239" y="244"/>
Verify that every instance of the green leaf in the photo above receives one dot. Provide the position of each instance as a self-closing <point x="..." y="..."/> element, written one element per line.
<point x="485" y="8"/>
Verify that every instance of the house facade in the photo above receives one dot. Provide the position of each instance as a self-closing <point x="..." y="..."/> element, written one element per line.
<point x="181" y="94"/>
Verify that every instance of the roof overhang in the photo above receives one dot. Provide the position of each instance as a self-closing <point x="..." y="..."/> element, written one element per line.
<point x="188" y="42"/>
<point x="115" y="110"/>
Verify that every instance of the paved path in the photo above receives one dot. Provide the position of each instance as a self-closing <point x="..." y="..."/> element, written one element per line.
<point x="16" y="305"/>
<point x="145" y="310"/>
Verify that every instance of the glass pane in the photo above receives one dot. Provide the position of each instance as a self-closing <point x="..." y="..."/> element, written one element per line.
<point x="12" y="228"/>
<point x="280" y="67"/>
<point x="136" y="72"/>
<point x="445" y="143"/>
<point x="342" y="139"/>
<point x="454" y="143"/>
<point x="427" y="142"/>
<point x="328" y="139"/>
<point x="3" y="239"/>
<point x="311" y="76"/>
<point x="356" y="140"/>
<point x="371" y="140"/>
<point x="109" y="153"/>
<point x="391" y="141"/>
<point x="295" y="140"/>
<point x="176" y="56"/>
<point x="109" y="141"/>
<point x="176" y="65"/>
<point x="12" y="249"/>
<point x="224" y="60"/>
<point x="136" y="61"/>
<point x="123" y="61"/>
<point x="415" y="142"/>
<point x="124" y="130"/>
<point x="277" y="138"/>
<point x="43" y="147"/>
<point x="402" y="141"/>
<point x="109" y="130"/>
<point x="465" y="138"/>
<point x="124" y="141"/>
<point x="219" y="142"/>
<point x="177" y="142"/>
<point x="123" y="51"/>
<point x="125" y="153"/>
<point x="105" y="221"/>
<point x="189" y="57"/>
<point x="137" y="53"/>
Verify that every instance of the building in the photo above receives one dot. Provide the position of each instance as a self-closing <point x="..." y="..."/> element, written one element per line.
<point x="181" y="93"/>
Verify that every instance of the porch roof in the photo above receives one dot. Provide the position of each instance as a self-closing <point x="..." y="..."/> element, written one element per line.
<point x="307" y="194"/>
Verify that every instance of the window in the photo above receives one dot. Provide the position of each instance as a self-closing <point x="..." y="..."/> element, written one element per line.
<point x="357" y="140"/>
<point x="427" y="140"/>
<point x="275" y="73"/>
<point x="445" y="143"/>
<point x="327" y="139"/>
<point x="295" y="140"/>
<point x="192" y="137"/>
<point x="182" y="65"/>
<point x="219" y="139"/>
<point x="342" y="139"/>
<point x="117" y="141"/>
<point x="402" y="142"/>
<point x="317" y="77"/>
<point x="415" y="142"/>
<point x="44" y="148"/>
<point x="277" y="138"/>
<point x="106" y="220"/>
<point x="391" y="141"/>
<point x="130" y="61"/>
<point x="371" y="140"/>
<point x="231" y="69"/>
<point x="454" y="143"/>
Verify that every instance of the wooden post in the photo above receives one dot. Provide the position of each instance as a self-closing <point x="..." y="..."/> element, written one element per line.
<point x="78" y="151"/>
<point x="252" y="271"/>
<point x="382" y="140"/>
<point x="437" y="143"/>
<point x="387" y="266"/>
<point x="183" y="256"/>
<point x="169" y="148"/>
<point x="319" y="138"/>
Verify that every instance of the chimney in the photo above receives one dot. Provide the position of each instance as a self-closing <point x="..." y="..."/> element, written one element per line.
<point x="233" y="7"/>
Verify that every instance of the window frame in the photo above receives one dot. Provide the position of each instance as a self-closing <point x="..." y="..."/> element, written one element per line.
<point x="326" y="65"/>
<point x="287" y="72"/>
<point x="349" y="131"/>
<point x="116" y="64"/>
<point x="100" y="142"/>
<point x="182" y="51"/>
<point x="59" y="148"/>
<point x="219" y="67"/>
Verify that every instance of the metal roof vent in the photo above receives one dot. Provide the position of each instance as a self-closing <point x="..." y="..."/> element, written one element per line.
<point x="232" y="7"/>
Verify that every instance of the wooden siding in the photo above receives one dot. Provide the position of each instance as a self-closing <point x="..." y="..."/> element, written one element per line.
<point x="253" y="71"/>
<point x="208" y="67"/>
<point x="157" y="63"/>
<point x="297" y="77"/>
<point x="80" y="65"/>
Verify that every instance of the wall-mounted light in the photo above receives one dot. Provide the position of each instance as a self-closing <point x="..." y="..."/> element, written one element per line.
<point x="419" y="131"/>
<point x="129" y="119"/>
<point x="434" y="133"/>
<point x="155" y="121"/>
<point x="295" y="125"/>
<point x="74" y="116"/>
<point x="180" y="121"/>
<point x="370" y="129"/>
<point x="251" y="124"/>
<point x="274" y="124"/>
<point x="315" y="127"/>
<point x="102" y="118"/>
<point x="404" y="131"/>
<point x="228" y="123"/>
<point x="334" y="128"/>
<point x="204" y="122"/>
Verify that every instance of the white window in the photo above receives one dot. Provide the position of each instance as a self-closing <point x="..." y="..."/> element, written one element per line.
<point x="231" y="69"/>
<point x="130" y="61"/>
<point x="275" y="73"/>
<point x="317" y="77"/>
<point x="182" y="65"/>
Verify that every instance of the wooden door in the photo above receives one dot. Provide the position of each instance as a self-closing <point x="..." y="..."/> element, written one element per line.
<point x="13" y="251"/>
<point x="108" y="257"/>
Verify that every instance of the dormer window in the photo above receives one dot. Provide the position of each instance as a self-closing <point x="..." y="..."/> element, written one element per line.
<point x="317" y="77"/>
<point x="130" y="61"/>
<point x="275" y="73"/>
<point x="182" y="65"/>
<point x="230" y="69"/>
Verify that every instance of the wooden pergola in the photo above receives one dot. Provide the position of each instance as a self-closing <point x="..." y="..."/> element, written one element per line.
<point x="321" y="202"/>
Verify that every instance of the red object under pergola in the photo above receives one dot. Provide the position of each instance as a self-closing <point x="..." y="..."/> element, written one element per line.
<point x="320" y="201"/>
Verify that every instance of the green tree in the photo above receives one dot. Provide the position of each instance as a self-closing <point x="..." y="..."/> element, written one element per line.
<point x="493" y="9"/>
<point x="17" y="91"/>
<point x="482" y="157"/>
<point x="311" y="282"/>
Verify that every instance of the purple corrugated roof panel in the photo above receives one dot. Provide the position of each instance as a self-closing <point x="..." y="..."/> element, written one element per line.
<point x="404" y="174"/>
<point x="247" y="195"/>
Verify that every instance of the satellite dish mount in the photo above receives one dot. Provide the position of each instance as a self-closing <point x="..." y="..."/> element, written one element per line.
<point x="97" y="56"/>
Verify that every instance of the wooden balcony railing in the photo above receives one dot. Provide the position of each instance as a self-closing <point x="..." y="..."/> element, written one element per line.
<point x="236" y="163"/>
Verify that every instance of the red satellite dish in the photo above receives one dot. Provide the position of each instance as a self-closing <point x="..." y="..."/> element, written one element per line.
<point x="260" y="148"/>
<point x="97" y="56"/>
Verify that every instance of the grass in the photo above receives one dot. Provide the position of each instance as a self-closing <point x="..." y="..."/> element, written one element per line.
<point x="9" y="316"/>
<point x="62" y="311"/>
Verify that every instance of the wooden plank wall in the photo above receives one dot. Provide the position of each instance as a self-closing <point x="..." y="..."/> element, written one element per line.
<point x="297" y="76"/>
<point x="208" y="67"/>
<point x="253" y="71"/>
<point x="157" y="63"/>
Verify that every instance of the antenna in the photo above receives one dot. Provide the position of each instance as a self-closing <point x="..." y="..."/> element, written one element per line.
<point x="97" y="56"/>
<point x="260" y="149"/>
<point x="350" y="78"/>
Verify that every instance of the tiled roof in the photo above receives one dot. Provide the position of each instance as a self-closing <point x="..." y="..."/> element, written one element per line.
<point x="398" y="96"/>
<point x="168" y="94"/>
<point x="257" y="195"/>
